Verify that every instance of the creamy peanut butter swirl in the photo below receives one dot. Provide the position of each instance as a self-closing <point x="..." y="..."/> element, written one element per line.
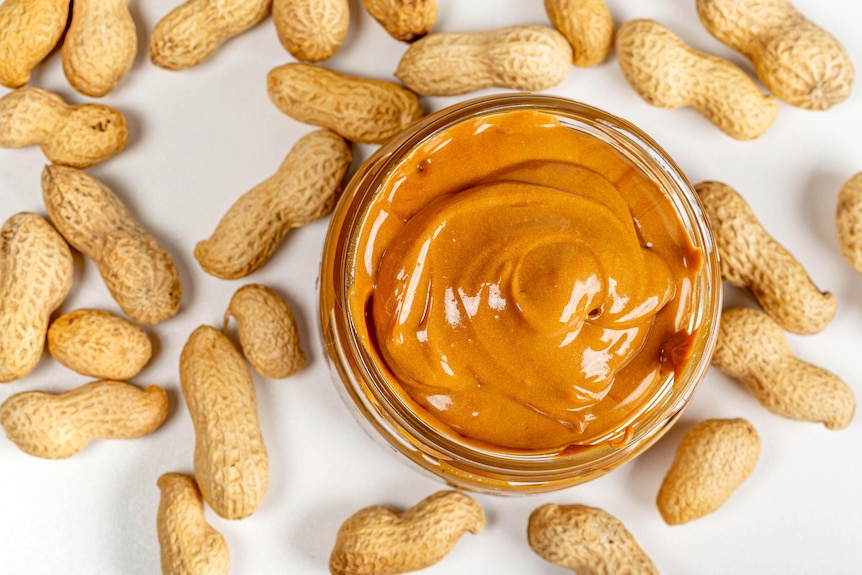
<point x="526" y="308"/>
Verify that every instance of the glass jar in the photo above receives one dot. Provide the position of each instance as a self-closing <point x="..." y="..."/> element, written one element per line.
<point x="367" y="384"/>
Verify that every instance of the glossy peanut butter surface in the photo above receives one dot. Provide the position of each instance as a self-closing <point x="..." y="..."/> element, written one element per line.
<point x="523" y="284"/>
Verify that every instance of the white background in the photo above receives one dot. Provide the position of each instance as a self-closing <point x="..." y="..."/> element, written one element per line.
<point x="201" y="137"/>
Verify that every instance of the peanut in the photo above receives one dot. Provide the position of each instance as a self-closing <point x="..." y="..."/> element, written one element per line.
<point x="57" y="426"/>
<point x="267" y="331"/>
<point x="194" y="30"/>
<point x="713" y="459"/>
<point x="359" y="109"/>
<point x="403" y="20"/>
<point x="35" y="276"/>
<point x="77" y="136"/>
<point x="380" y="540"/>
<point x="189" y="545"/>
<point x="29" y="30"/>
<point x="751" y="259"/>
<point x="797" y="60"/>
<point x="667" y="73"/>
<point x="311" y="31"/>
<point x="100" y="45"/>
<point x="303" y="189"/>
<point x="230" y="460"/>
<point x="587" y="25"/>
<point x="753" y="349"/>
<point x="141" y="276"/>
<point x="586" y="540"/>
<point x="848" y="221"/>
<point x="516" y="57"/>
<point x="99" y="344"/>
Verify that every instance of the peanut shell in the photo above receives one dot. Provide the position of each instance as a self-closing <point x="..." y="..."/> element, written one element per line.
<point x="57" y="426"/>
<point x="359" y="109"/>
<point x="311" y="31"/>
<point x="516" y="57"/>
<point x="230" y="460"/>
<point x="303" y="189"/>
<point x="99" y="344"/>
<point x="100" y="45"/>
<point x="78" y="136"/>
<point x="189" y="545"/>
<point x="406" y="21"/>
<point x="586" y="540"/>
<point x="797" y="60"/>
<point x="140" y="274"/>
<point x="267" y="331"/>
<point x="29" y="30"/>
<point x="190" y="33"/>
<point x="848" y="221"/>
<point x="35" y="276"/>
<point x="751" y="259"/>
<point x="587" y="25"/>
<point x="384" y="541"/>
<point x="667" y="73"/>
<point x="753" y="349"/>
<point x="713" y="459"/>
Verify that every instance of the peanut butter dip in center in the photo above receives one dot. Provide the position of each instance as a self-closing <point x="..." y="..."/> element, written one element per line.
<point x="524" y="284"/>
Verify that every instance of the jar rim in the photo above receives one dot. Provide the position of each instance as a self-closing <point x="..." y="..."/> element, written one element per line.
<point x="466" y="463"/>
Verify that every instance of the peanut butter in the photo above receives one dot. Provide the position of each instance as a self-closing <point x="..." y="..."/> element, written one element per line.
<point x="526" y="286"/>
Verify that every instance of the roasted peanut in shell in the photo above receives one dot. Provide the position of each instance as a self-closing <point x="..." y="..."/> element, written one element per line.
<point x="303" y="189"/>
<point x="267" y="331"/>
<point x="753" y="260"/>
<point x="798" y="61"/>
<point x="753" y="349"/>
<point x="100" y="45"/>
<point x="359" y="109"/>
<point x="57" y="426"/>
<point x="98" y="343"/>
<point x="192" y="32"/>
<point x="29" y="30"/>
<point x="70" y="135"/>
<point x="36" y="270"/>
<point x="384" y="541"/>
<point x="668" y="73"/>
<point x="188" y="544"/>
<point x="587" y="540"/>
<point x="231" y="464"/>
<point x="526" y="57"/>
<point x="713" y="459"/>
<point x="848" y="221"/>
<point x="140" y="274"/>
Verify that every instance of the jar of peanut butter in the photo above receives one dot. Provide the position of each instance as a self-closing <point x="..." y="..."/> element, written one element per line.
<point x="519" y="293"/>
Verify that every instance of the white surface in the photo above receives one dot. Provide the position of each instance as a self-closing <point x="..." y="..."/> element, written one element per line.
<point x="202" y="137"/>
